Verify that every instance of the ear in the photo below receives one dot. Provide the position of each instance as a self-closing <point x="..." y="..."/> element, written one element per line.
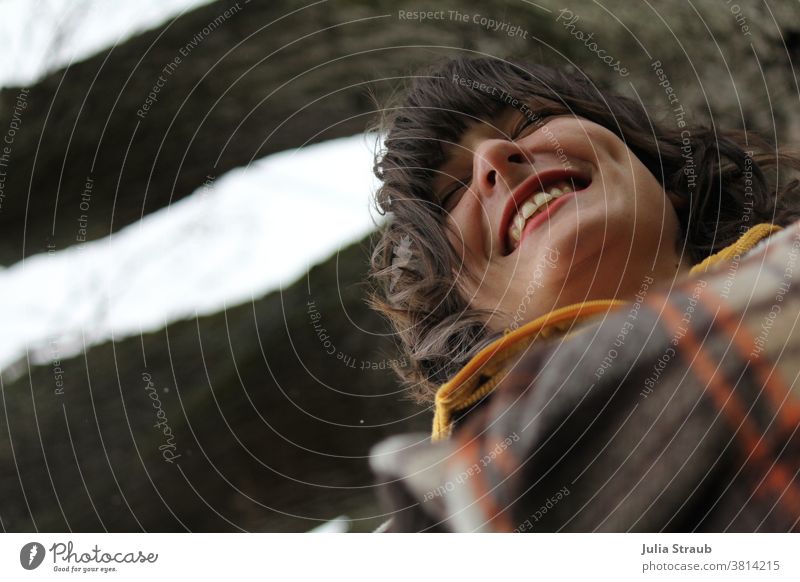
<point x="679" y="202"/>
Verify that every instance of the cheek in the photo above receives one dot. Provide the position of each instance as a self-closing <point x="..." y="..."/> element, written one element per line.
<point x="650" y="198"/>
<point x="636" y="202"/>
<point x="588" y="141"/>
<point x="614" y="162"/>
<point x="626" y="182"/>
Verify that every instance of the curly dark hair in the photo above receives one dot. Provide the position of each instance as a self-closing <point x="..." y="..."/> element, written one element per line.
<point x="721" y="175"/>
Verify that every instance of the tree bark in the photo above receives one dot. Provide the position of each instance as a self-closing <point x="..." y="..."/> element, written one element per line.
<point x="258" y="418"/>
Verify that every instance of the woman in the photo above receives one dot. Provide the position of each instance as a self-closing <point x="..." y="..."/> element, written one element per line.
<point x="531" y="215"/>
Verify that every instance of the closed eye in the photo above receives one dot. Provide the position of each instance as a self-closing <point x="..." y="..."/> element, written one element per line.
<point x="522" y="126"/>
<point x="539" y="119"/>
<point x="452" y="195"/>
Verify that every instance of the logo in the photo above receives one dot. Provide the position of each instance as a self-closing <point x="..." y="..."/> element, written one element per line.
<point x="31" y="555"/>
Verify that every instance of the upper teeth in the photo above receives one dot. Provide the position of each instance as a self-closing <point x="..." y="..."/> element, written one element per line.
<point x="531" y="206"/>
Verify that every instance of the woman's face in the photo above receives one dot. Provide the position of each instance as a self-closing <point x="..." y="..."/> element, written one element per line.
<point x="555" y="210"/>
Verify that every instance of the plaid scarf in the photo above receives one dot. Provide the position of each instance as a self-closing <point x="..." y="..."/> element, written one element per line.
<point x="674" y="412"/>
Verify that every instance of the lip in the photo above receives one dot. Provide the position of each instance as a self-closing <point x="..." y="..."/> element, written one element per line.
<point x="531" y="185"/>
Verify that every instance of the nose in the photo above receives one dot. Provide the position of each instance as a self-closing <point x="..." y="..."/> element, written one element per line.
<point x="498" y="164"/>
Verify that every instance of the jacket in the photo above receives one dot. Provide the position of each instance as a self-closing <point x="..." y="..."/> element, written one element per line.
<point x="676" y="411"/>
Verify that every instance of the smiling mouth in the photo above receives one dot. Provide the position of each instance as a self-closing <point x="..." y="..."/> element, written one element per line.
<point x="530" y="206"/>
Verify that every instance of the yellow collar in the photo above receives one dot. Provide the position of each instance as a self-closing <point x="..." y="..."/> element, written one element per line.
<point x="485" y="370"/>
